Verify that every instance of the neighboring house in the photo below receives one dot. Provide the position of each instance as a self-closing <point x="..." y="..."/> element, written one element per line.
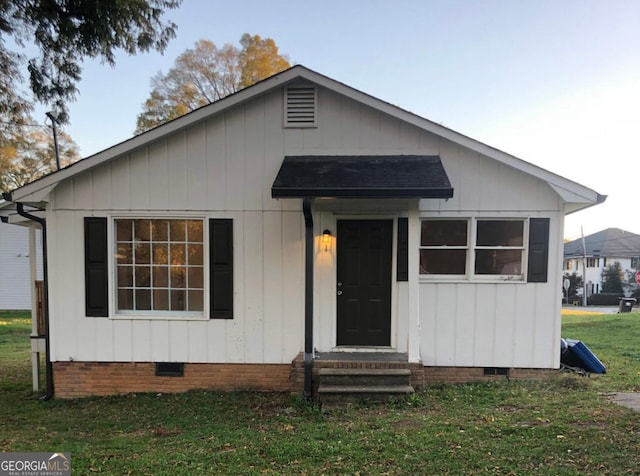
<point x="600" y="250"/>
<point x="295" y="219"/>
<point x="15" y="277"/>
<point x="21" y="285"/>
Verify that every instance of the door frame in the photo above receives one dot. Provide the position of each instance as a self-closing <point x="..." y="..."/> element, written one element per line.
<point x="393" y="337"/>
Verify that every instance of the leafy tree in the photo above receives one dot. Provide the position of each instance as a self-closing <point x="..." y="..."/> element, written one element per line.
<point x="205" y="73"/>
<point x="259" y="59"/>
<point x="612" y="278"/>
<point x="26" y="157"/>
<point x="575" y="283"/>
<point x="66" y="32"/>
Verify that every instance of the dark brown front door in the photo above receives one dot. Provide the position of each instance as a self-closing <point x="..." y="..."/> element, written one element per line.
<point x="364" y="282"/>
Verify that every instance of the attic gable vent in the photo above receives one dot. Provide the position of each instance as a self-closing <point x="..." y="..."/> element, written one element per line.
<point x="300" y="106"/>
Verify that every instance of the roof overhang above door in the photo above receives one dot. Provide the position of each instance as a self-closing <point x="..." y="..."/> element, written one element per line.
<point x="388" y="176"/>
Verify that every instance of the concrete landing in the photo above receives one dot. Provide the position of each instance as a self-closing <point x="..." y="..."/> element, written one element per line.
<point x="629" y="400"/>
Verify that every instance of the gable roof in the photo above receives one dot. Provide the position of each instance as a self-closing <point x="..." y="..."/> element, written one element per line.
<point x="612" y="242"/>
<point x="575" y="196"/>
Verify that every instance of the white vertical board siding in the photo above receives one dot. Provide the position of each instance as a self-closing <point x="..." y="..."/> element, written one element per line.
<point x="159" y="178"/>
<point x="272" y="281"/>
<point x="15" y="279"/>
<point x="293" y="282"/>
<point x="254" y="147"/>
<point x="139" y="179"/>
<point x="268" y="315"/>
<point x="492" y="324"/>
<point x="253" y="273"/>
<point x="488" y="325"/>
<point x="195" y="170"/>
<point x="71" y="336"/>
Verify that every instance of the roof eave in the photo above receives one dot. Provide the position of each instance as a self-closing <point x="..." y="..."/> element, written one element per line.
<point x="555" y="181"/>
<point x="277" y="192"/>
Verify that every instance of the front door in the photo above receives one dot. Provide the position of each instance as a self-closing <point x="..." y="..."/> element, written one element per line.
<point x="364" y="282"/>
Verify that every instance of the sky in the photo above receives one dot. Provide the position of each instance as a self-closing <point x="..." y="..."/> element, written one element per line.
<point x="553" y="82"/>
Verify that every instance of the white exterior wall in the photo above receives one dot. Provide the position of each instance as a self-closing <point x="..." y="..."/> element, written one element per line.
<point x="213" y="170"/>
<point x="15" y="279"/>
<point x="499" y="324"/>
<point x="224" y="168"/>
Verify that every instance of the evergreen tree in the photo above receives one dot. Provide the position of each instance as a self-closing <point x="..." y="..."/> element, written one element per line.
<point x="612" y="278"/>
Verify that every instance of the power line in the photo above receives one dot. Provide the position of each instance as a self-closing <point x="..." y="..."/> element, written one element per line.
<point x="23" y="125"/>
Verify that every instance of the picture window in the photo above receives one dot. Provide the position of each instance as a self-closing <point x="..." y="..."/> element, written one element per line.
<point x="159" y="265"/>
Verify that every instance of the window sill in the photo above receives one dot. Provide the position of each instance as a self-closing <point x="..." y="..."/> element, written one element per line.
<point x="151" y="316"/>
<point x="476" y="280"/>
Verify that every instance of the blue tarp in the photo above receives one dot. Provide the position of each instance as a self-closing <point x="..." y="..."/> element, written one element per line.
<point x="576" y="354"/>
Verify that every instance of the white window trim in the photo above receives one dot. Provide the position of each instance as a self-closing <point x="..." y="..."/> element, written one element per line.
<point x="468" y="248"/>
<point x="155" y="315"/>
<point x="470" y="276"/>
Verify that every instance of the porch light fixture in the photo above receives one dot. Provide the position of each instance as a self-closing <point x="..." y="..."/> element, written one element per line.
<point x="326" y="239"/>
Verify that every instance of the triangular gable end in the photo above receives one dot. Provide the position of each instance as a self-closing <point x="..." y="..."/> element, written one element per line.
<point x="576" y="196"/>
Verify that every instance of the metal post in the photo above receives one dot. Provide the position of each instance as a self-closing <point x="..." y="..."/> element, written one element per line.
<point x="55" y="138"/>
<point x="584" y="270"/>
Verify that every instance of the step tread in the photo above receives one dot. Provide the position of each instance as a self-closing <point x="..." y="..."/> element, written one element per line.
<point x="358" y="371"/>
<point x="346" y="389"/>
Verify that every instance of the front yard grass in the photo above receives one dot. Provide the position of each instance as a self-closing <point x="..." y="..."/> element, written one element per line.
<point x="563" y="425"/>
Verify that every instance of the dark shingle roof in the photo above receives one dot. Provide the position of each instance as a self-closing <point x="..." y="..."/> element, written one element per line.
<point x="612" y="242"/>
<point x="397" y="176"/>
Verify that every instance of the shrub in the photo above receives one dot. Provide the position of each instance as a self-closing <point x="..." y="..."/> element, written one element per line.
<point x="604" y="299"/>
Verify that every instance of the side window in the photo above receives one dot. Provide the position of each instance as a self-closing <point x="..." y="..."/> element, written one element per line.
<point x="499" y="247"/>
<point x="479" y="248"/>
<point x="444" y="247"/>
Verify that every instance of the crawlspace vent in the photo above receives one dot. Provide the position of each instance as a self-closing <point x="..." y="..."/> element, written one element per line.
<point x="496" y="371"/>
<point x="169" y="369"/>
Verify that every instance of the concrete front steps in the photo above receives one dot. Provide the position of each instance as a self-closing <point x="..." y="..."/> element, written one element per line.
<point x="338" y="387"/>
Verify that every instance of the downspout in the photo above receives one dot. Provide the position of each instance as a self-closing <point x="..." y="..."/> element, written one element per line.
<point x="308" y="299"/>
<point x="49" y="364"/>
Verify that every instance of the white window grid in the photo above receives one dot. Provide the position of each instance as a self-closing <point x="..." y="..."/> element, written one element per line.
<point x="188" y="287"/>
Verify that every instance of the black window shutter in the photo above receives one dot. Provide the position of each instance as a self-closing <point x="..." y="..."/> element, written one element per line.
<point x="538" y="250"/>
<point x="402" y="273"/>
<point x="95" y="267"/>
<point x="221" y="268"/>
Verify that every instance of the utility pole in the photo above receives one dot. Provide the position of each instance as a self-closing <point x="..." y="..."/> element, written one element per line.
<point x="55" y="137"/>
<point x="584" y="270"/>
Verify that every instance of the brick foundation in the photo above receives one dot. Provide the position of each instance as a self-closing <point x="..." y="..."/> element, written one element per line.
<point x="434" y="375"/>
<point x="83" y="379"/>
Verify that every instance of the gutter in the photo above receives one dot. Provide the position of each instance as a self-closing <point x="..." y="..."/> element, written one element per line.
<point x="308" y="299"/>
<point x="49" y="365"/>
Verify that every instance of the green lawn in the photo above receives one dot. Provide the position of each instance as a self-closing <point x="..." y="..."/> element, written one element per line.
<point x="563" y="425"/>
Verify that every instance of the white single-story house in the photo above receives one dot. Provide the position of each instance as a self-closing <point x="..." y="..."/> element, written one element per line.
<point x="296" y="221"/>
